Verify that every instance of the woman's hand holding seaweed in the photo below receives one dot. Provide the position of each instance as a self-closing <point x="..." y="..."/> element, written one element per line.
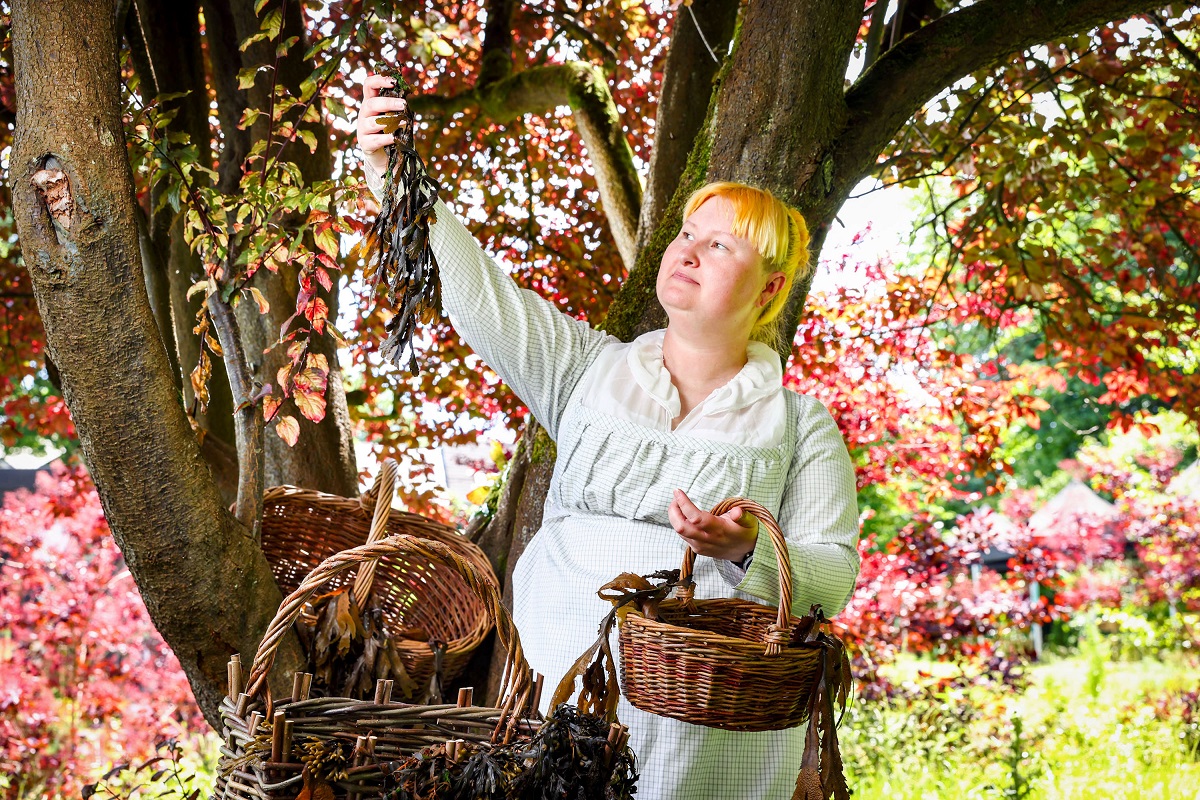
<point x="730" y="536"/>
<point x="372" y="136"/>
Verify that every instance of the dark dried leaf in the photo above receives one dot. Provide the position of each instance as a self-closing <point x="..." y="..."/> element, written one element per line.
<point x="398" y="243"/>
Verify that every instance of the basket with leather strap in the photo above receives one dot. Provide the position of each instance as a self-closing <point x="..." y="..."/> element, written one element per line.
<point x="422" y="600"/>
<point x="271" y="748"/>
<point x="731" y="663"/>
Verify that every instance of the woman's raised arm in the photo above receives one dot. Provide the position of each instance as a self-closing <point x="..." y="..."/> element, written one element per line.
<point x="536" y="349"/>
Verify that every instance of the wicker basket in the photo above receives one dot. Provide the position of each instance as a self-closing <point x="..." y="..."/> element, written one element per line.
<point x="726" y="663"/>
<point x="301" y="528"/>
<point x="259" y="763"/>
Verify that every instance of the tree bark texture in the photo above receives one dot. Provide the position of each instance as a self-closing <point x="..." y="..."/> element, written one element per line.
<point x="324" y="458"/>
<point x="687" y="85"/>
<point x="206" y="585"/>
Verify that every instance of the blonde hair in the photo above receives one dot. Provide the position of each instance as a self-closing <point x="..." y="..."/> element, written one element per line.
<point x="779" y="234"/>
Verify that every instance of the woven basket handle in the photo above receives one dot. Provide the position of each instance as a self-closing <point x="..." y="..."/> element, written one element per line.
<point x="517" y="684"/>
<point x="779" y="633"/>
<point x="380" y="496"/>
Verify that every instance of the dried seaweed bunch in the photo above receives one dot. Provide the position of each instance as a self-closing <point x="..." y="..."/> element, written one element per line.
<point x="398" y="242"/>
<point x="350" y="648"/>
<point x="573" y="756"/>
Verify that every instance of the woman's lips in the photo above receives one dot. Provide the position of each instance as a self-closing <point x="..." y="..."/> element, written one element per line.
<point x="684" y="277"/>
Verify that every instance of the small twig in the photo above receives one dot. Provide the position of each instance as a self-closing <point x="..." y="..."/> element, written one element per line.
<point x="696" y="22"/>
<point x="274" y="83"/>
<point x="608" y="54"/>
<point x="304" y="109"/>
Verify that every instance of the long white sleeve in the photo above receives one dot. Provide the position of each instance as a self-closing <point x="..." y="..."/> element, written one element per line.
<point x="536" y="349"/>
<point x="819" y="519"/>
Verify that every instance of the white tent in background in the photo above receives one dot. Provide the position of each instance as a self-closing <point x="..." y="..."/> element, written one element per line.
<point x="1080" y="522"/>
<point x="1075" y="502"/>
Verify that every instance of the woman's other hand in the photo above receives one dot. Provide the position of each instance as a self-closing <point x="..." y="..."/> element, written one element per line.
<point x="730" y="537"/>
<point x="371" y="138"/>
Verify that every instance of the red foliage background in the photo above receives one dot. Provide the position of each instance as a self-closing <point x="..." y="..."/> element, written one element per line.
<point x="85" y="680"/>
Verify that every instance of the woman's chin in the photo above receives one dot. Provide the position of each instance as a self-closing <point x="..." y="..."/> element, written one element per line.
<point x="672" y="303"/>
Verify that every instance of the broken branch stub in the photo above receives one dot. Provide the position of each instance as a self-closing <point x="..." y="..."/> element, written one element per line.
<point x="54" y="189"/>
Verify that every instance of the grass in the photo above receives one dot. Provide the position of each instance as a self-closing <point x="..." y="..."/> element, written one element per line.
<point x="1082" y="728"/>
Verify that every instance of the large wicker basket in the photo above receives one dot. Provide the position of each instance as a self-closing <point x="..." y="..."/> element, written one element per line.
<point x="301" y="528"/>
<point x="266" y="744"/>
<point x="727" y="663"/>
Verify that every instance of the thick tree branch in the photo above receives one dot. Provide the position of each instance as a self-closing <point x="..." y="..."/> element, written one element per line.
<point x="208" y="588"/>
<point x="932" y="58"/>
<point x="497" y="58"/>
<point x="221" y="32"/>
<point x="158" y="288"/>
<point x="583" y="87"/>
<point x="875" y="30"/>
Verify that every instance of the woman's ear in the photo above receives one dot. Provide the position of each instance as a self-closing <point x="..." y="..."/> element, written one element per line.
<point x="773" y="286"/>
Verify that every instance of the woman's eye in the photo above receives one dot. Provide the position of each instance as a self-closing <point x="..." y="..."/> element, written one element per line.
<point x="686" y="235"/>
<point x="718" y="244"/>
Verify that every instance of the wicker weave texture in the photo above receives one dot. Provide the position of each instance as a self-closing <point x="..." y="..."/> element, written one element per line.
<point x="421" y="600"/>
<point x="723" y="663"/>
<point x="380" y="730"/>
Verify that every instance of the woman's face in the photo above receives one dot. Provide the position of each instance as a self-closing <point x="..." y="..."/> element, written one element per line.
<point x="712" y="277"/>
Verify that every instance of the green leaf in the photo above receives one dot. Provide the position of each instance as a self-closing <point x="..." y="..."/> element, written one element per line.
<point x="310" y="139"/>
<point x="251" y="40"/>
<point x="322" y="44"/>
<point x="336" y="108"/>
<point x="247" y="76"/>
<point x="327" y="242"/>
<point x="282" y="48"/>
<point x="249" y="116"/>
<point x="308" y="88"/>
<point x="259" y="5"/>
<point x="272" y="24"/>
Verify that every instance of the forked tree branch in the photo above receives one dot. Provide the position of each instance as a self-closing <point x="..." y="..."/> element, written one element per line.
<point x="924" y="63"/>
<point x="247" y="415"/>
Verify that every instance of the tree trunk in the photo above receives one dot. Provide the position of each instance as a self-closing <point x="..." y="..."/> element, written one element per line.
<point x="324" y="458"/>
<point x="206" y="585"/>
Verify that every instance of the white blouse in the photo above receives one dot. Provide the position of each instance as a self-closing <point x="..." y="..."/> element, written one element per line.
<point x="631" y="381"/>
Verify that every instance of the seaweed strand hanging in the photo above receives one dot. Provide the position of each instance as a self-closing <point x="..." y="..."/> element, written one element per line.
<point x="398" y="242"/>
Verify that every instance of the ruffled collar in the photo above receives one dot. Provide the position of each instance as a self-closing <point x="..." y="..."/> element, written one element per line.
<point x="761" y="377"/>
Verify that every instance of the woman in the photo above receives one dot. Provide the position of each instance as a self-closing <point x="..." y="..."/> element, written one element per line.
<point x="651" y="432"/>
